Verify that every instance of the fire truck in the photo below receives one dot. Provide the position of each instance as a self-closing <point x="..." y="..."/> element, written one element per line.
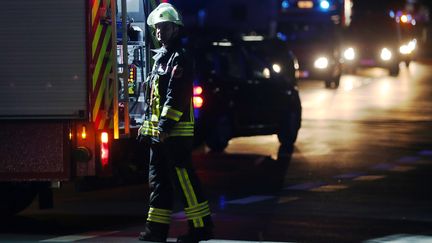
<point x="313" y="29"/>
<point x="70" y="97"/>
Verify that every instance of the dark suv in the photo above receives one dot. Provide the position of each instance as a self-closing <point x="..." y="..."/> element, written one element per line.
<point x="242" y="91"/>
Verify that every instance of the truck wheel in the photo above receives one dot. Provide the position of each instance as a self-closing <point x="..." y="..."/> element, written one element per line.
<point x="16" y="197"/>
<point x="290" y="125"/>
<point x="394" y="71"/>
<point x="332" y="83"/>
<point x="219" y="133"/>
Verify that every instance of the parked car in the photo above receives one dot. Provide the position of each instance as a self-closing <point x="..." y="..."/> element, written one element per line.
<point x="238" y="92"/>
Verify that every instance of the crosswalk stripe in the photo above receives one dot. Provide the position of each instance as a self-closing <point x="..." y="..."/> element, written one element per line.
<point x="329" y="188"/>
<point x="251" y="199"/>
<point x="77" y="237"/>
<point x="425" y="153"/>
<point x="383" y="166"/>
<point x="305" y="186"/>
<point x="402" y="168"/>
<point x="402" y="238"/>
<point x="349" y="175"/>
<point x="233" y="241"/>
<point x="369" y="177"/>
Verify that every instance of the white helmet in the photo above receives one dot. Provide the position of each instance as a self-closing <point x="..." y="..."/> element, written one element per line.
<point x="165" y="12"/>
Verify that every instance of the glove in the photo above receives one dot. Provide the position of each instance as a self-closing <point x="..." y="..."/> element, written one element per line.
<point x="160" y="138"/>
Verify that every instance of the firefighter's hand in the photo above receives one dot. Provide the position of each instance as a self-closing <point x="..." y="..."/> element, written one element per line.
<point x="139" y="132"/>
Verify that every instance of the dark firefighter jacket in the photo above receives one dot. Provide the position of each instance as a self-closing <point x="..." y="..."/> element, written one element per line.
<point x="168" y="93"/>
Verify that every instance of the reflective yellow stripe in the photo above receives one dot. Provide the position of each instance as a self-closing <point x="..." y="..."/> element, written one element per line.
<point x="160" y="211"/>
<point x="149" y="128"/>
<point x="189" y="194"/>
<point x="199" y="211"/>
<point x="191" y="112"/>
<point x="159" y="215"/>
<point x="171" y="113"/>
<point x="198" y="215"/>
<point x="197" y="207"/>
<point x="155" y="102"/>
<point x="183" y="129"/>
<point x="162" y="220"/>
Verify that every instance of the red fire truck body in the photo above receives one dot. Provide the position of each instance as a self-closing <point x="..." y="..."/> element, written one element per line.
<point x="69" y="91"/>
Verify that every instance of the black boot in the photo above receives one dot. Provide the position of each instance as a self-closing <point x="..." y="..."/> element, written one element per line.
<point x="154" y="232"/>
<point x="196" y="235"/>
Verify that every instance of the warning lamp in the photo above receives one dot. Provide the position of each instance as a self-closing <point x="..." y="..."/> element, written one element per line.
<point x="84" y="132"/>
<point x="325" y="5"/>
<point x="104" y="149"/>
<point x="198" y="101"/>
<point x="197" y="90"/>
<point x="132" y="73"/>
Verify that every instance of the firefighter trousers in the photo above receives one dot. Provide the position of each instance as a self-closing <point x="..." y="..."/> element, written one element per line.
<point x="171" y="168"/>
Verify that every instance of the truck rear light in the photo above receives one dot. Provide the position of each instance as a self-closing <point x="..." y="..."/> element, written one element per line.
<point x="198" y="101"/>
<point x="84" y="132"/>
<point x="197" y="90"/>
<point x="104" y="149"/>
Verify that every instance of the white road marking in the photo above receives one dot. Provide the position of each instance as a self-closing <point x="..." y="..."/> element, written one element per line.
<point x="83" y="236"/>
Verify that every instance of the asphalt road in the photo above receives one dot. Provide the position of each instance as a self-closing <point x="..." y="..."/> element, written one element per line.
<point x="360" y="172"/>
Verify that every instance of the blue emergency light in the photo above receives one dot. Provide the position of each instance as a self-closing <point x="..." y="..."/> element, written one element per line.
<point x="325" y="5"/>
<point x="285" y="4"/>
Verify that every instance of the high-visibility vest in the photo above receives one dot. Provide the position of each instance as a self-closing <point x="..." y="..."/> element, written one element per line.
<point x="168" y="91"/>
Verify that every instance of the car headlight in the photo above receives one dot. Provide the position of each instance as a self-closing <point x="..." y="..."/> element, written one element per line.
<point x="412" y="44"/>
<point x="386" y="54"/>
<point x="276" y="68"/>
<point x="266" y="73"/>
<point x="321" y="63"/>
<point x="408" y="48"/>
<point x="405" y="49"/>
<point x="349" y="54"/>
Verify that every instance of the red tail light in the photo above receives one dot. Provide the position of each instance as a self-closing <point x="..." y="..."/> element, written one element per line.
<point x="198" y="101"/>
<point x="104" y="149"/>
<point x="197" y="90"/>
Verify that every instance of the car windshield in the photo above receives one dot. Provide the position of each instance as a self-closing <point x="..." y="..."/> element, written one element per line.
<point x="221" y="61"/>
<point x="373" y="30"/>
<point x="305" y="31"/>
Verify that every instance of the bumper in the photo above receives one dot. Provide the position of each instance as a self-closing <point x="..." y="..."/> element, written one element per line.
<point x="371" y="62"/>
<point x="310" y="72"/>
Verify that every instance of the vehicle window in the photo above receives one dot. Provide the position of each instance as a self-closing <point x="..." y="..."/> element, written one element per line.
<point x="222" y="62"/>
<point x="134" y="8"/>
<point x="258" y="68"/>
<point x="232" y="64"/>
<point x="305" y="31"/>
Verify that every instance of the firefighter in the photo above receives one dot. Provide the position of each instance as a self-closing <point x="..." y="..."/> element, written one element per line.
<point x="168" y="128"/>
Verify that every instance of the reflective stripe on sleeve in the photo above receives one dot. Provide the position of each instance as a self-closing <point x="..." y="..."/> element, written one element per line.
<point x="171" y="113"/>
<point x="183" y="129"/>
